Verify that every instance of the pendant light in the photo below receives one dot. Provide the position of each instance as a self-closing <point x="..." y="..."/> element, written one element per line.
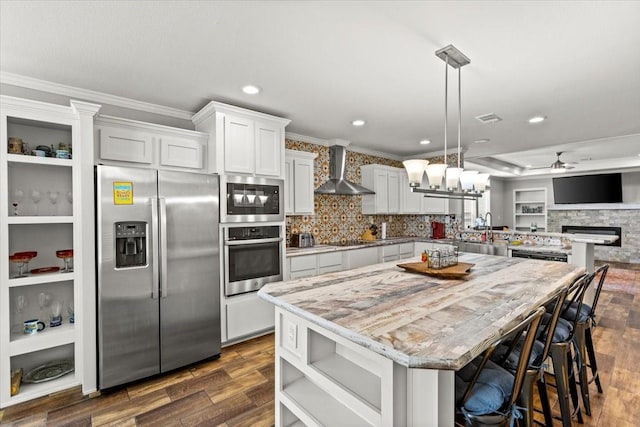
<point x="458" y="183"/>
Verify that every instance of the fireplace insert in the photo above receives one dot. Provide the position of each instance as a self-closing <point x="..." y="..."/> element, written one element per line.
<point x="606" y="231"/>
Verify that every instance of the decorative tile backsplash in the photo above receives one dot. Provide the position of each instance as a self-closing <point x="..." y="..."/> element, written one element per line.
<point x="340" y="218"/>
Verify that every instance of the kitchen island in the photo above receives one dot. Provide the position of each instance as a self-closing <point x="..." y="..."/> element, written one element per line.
<point x="380" y="346"/>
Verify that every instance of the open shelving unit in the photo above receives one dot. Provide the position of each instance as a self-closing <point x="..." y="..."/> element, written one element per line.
<point x="530" y="207"/>
<point x="323" y="379"/>
<point x="41" y="211"/>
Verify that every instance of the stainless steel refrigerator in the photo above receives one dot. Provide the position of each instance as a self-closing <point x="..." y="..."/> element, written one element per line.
<point x="158" y="271"/>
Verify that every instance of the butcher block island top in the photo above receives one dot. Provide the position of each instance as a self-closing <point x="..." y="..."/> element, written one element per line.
<point x="420" y="321"/>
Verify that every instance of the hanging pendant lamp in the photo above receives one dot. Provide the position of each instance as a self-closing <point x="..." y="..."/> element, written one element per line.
<point x="457" y="182"/>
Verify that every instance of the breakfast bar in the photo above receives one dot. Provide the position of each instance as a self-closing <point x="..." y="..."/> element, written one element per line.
<point x="379" y="346"/>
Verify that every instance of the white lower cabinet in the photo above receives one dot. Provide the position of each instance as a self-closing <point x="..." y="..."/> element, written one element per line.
<point x="330" y="262"/>
<point x="324" y="380"/>
<point x="395" y="252"/>
<point x="247" y="314"/>
<point x="356" y="258"/>
<point x="314" y="264"/>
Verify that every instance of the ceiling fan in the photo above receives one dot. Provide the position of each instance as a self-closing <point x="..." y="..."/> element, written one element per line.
<point x="558" y="165"/>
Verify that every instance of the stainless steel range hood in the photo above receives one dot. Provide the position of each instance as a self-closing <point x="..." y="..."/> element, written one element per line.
<point x="337" y="184"/>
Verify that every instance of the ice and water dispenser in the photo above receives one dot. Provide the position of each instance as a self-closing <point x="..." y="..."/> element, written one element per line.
<point x="131" y="244"/>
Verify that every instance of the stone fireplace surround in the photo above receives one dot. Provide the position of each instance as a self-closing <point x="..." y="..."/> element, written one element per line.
<point x="627" y="219"/>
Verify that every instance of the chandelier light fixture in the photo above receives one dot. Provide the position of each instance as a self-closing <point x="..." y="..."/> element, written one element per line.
<point x="445" y="181"/>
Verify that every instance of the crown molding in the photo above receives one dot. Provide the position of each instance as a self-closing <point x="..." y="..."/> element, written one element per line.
<point x="90" y="95"/>
<point x="304" y="138"/>
<point x="375" y="153"/>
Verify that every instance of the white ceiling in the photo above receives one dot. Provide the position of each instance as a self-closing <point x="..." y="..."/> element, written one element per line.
<point x="323" y="64"/>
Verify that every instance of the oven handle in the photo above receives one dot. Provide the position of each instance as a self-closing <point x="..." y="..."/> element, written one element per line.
<point x="252" y="241"/>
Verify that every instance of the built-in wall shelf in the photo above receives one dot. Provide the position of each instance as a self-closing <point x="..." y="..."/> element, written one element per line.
<point x="530" y="209"/>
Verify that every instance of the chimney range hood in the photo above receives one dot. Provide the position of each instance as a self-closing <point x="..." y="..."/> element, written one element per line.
<point x="337" y="183"/>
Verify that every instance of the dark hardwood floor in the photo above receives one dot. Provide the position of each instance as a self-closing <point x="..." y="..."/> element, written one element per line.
<point x="238" y="388"/>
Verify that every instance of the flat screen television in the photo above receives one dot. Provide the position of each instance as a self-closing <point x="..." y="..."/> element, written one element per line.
<point x="601" y="188"/>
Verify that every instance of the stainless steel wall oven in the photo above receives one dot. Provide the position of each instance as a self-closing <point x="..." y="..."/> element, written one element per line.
<point x="252" y="257"/>
<point x="251" y="199"/>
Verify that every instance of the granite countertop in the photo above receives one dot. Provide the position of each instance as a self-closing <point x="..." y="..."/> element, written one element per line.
<point x="420" y="321"/>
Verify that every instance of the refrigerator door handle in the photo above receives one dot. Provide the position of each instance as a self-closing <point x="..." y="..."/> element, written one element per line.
<point x="154" y="247"/>
<point x="163" y="248"/>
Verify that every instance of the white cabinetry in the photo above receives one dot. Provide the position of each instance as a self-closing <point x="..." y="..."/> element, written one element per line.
<point x="313" y="264"/>
<point x="356" y="258"/>
<point x="395" y="252"/>
<point x="433" y="205"/>
<point x="410" y="202"/>
<point x="242" y="141"/>
<point x="385" y="182"/>
<point x="124" y="141"/>
<point x="298" y="182"/>
<point x="53" y="201"/>
<point x="247" y="315"/>
<point x="530" y="207"/>
<point x="324" y="380"/>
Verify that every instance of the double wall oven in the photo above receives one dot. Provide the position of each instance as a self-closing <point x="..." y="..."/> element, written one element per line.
<point x="251" y="213"/>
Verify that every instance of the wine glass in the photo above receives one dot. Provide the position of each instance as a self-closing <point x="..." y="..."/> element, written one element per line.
<point x="66" y="255"/>
<point x="36" y="196"/>
<point x="44" y="299"/>
<point x="53" y="198"/>
<point x="18" y="195"/>
<point x="21" y="303"/>
<point x="70" y="200"/>
<point x="21" y="261"/>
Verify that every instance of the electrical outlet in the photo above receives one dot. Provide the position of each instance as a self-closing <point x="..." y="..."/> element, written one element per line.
<point x="292" y="335"/>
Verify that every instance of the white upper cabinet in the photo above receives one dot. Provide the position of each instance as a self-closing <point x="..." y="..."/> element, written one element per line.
<point x="432" y="205"/>
<point x="385" y="182"/>
<point x="242" y="141"/>
<point x="123" y="141"/>
<point x="269" y="146"/>
<point x="410" y="202"/>
<point x="298" y="182"/>
<point x="238" y="145"/>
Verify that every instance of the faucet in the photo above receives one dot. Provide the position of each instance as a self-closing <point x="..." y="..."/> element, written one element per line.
<point x="488" y="227"/>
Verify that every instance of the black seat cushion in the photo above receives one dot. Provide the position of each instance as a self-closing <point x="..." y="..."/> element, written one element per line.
<point x="511" y="362"/>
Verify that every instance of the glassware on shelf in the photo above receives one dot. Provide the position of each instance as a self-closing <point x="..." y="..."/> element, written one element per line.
<point x="36" y="196"/>
<point x="21" y="259"/>
<point x="56" y="314"/>
<point x="70" y="310"/>
<point x="44" y="300"/>
<point x="70" y="197"/>
<point x="21" y="304"/>
<point x="53" y="198"/>
<point x="66" y="255"/>
<point x="17" y="196"/>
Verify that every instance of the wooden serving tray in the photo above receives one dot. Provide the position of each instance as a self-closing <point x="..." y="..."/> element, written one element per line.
<point x="457" y="271"/>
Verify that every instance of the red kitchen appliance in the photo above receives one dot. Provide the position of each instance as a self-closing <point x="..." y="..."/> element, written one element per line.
<point x="437" y="230"/>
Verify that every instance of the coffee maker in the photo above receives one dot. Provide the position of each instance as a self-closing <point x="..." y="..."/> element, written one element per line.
<point x="437" y="230"/>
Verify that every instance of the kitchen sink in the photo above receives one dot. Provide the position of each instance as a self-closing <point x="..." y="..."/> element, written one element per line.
<point x="482" y="248"/>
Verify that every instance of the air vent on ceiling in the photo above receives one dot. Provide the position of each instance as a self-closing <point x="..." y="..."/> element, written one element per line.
<point x="489" y="118"/>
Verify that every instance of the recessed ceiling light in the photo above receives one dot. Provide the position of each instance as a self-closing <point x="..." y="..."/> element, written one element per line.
<point x="428" y="141"/>
<point x="251" y="89"/>
<point x="537" y="119"/>
<point x="481" y="141"/>
<point x="358" y="122"/>
<point x="528" y="166"/>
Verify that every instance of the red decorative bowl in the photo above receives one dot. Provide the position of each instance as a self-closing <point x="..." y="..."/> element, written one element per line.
<point x="64" y="253"/>
<point x="31" y="254"/>
<point x="18" y="259"/>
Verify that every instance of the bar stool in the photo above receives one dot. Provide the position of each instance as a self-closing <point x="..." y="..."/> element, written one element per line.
<point x="508" y="358"/>
<point x="584" y="339"/>
<point x="561" y="356"/>
<point x="486" y="393"/>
